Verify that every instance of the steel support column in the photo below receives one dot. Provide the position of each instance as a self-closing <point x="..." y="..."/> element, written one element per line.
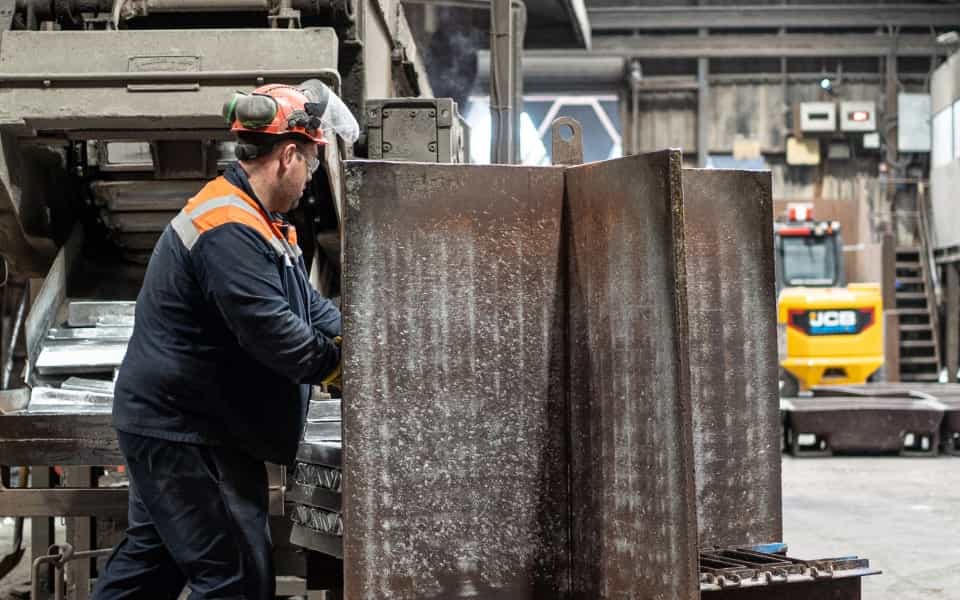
<point x="41" y="528"/>
<point x="703" y="108"/>
<point x="890" y="133"/>
<point x="952" y="324"/>
<point x="80" y="535"/>
<point x="891" y="321"/>
<point x="634" y="79"/>
<point x="519" y="30"/>
<point x="501" y="81"/>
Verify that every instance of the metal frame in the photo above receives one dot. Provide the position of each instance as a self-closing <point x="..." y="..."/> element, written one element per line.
<point x="64" y="446"/>
<point x="60" y="555"/>
<point x="738" y="572"/>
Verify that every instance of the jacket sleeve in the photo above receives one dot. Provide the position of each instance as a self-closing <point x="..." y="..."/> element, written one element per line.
<point x="324" y="315"/>
<point x="238" y="274"/>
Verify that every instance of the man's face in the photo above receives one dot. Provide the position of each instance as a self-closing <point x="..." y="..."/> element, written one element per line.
<point x="304" y="160"/>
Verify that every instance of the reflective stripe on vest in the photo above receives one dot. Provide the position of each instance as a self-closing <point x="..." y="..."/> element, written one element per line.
<point x="208" y="210"/>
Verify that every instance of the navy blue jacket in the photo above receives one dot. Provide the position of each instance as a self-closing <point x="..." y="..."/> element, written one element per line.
<point x="228" y="331"/>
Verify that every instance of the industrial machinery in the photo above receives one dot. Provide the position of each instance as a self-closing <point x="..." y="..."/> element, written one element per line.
<point x="466" y="478"/>
<point x="829" y="331"/>
<point x="110" y="118"/>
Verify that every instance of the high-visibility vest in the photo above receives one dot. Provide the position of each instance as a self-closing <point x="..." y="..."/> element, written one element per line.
<point x="220" y="202"/>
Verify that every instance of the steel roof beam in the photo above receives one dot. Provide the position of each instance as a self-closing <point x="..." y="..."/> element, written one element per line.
<point x="800" y="16"/>
<point x="766" y="46"/>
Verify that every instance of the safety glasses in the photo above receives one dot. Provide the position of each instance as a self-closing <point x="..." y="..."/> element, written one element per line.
<point x="313" y="162"/>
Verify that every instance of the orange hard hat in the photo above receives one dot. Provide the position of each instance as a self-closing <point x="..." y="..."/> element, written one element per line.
<point x="275" y="109"/>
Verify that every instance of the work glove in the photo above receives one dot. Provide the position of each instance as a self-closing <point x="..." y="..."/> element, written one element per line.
<point x="333" y="383"/>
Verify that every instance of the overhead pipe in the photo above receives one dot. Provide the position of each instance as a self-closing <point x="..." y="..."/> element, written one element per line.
<point x="501" y="82"/>
<point x="633" y="80"/>
<point x="207" y="5"/>
<point x="519" y="34"/>
<point x="508" y="25"/>
<point x="563" y="71"/>
<point x="129" y="9"/>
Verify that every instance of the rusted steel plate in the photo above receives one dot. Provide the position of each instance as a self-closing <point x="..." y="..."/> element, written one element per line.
<point x="731" y="295"/>
<point x="454" y="406"/>
<point x="634" y="519"/>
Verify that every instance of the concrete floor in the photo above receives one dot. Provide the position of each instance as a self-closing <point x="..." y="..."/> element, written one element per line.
<point x="901" y="513"/>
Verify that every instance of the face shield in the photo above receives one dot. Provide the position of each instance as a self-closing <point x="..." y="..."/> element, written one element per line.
<point x="332" y="113"/>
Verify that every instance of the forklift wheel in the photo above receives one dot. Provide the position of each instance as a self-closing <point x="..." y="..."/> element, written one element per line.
<point x="789" y="386"/>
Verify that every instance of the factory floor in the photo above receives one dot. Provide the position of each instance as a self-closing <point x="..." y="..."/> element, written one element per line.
<point x="901" y="513"/>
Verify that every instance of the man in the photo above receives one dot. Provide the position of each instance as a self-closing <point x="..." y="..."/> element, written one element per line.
<point x="228" y="336"/>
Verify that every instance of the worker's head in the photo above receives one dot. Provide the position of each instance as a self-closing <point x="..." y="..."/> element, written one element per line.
<point x="283" y="164"/>
<point x="278" y="140"/>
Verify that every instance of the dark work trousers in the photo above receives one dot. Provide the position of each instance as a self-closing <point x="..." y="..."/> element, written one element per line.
<point x="198" y="516"/>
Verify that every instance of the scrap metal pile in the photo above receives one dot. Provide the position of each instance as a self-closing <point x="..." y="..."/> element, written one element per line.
<point x="559" y="382"/>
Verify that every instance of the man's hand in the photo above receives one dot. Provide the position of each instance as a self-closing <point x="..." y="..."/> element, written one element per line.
<point x="333" y="382"/>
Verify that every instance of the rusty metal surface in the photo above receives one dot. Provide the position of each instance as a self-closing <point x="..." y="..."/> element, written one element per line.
<point x="864" y="424"/>
<point x="632" y="486"/>
<point x="567" y="141"/>
<point x="454" y="411"/>
<point x="733" y="355"/>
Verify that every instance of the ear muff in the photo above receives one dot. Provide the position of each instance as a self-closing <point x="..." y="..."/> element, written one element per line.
<point x="230" y="107"/>
<point x="255" y="111"/>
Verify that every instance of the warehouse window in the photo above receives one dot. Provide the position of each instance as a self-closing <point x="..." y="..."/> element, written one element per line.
<point x="956" y="129"/>
<point x="598" y="116"/>
<point x="942" y="151"/>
